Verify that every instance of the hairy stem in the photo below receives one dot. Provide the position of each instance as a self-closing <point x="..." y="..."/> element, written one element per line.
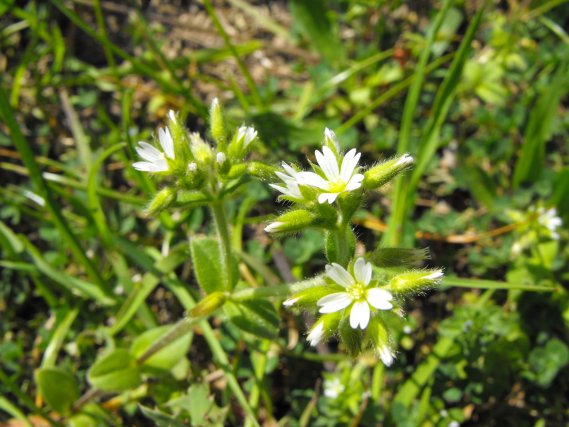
<point x="222" y="227"/>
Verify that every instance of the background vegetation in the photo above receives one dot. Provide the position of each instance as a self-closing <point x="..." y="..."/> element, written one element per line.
<point x="476" y="94"/>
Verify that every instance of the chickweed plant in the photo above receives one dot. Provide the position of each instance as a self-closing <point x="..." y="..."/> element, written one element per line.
<point x="356" y="299"/>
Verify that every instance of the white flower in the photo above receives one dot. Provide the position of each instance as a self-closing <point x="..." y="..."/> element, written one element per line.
<point x="247" y="134"/>
<point x="357" y="295"/>
<point x="316" y="334"/>
<point x="339" y="178"/>
<point x="333" y="388"/>
<point x="290" y="178"/>
<point x="549" y="219"/>
<point x="156" y="160"/>
<point x="192" y="167"/>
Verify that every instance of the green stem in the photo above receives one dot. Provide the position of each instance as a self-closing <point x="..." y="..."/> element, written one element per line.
<point x="218" y="212"/>
<point x="342" y="245"/>
<point x="277" y="291"/>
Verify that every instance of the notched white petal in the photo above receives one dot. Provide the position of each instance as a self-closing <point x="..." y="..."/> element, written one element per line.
<point x="334" y="302"/>
<point x="379" y="298"/>
<point x="339" y="275"/>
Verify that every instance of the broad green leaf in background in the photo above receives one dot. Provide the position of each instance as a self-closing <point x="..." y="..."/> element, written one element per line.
<point x="58" y="387"/>
<point x="257" y="317"/>
<point x="167" y="357"/>
<point x="200" y="403"/>
<point x="115" y="371"/>
<point x="546" y="362"/>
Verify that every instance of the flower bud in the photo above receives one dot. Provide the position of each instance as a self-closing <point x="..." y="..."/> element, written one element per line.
<point x="208" y="305"/>
<point x="180" y="139"/>
<point x="331" y="141"/>
<point x="307" y="298"/>
<point x="241" y="142"/>
<point x="381" y="340"/>
<point x="386" y="171"/>
<point x="217" y="123"/>
<point x="414" y="281"/>
<point x="161" y="201"/>
<point x="291" y="222"/>
<point x="261" y="170"/>
<point x="325" y="327"/>
<point x="202" y="152"/>
<point x="222" y="164"/>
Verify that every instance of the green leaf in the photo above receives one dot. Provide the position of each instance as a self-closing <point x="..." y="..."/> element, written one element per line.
<point x="257" y="317"/>
<point x="168" y="356"/>
<point x="58" y="387"/>
<point x="115" y="371"/>
<point x="546" y="362"/>
<point x="200" y="403"/>
<point x="161" y="419"/>
<point x="206" y="260"/>
<point x="398" y="257"/>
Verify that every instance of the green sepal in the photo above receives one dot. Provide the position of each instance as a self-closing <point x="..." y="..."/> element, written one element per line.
<point x="206" y="261"/>
<point x="308" y="298"/>
<point x="331" y="245"/>
<point x="414" y="281"/>
<point x="349" y="203"/>
<point x="161" y="201"/>
<point x="262" y="171"/>
<point x="115" y="371"/>
<point x="167" y="357"/>
<point x="58" y="387"/>
<point x="257" y="317"/>
<point x="217" y="124"/>
<point x="384" y="172"/>
<point x="292" y="221"/>
<point x="351" y="338"/>
<point x="381" y="339"/>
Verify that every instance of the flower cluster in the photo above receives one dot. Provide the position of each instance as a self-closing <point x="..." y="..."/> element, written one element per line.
<point x="359" y="306"/>
<point x="536" y="224"/>
<point x="336" y="178"/>
<point x="192" y="164"/>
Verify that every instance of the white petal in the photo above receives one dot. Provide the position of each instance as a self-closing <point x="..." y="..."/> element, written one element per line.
<point x="166" y="141"/>
<point x="274" y="226"/>
<point x="362" y="271"/>
<point x="289" y="169"/>
<point x="221" y="158"/>
<point x="434" y="276"/>
<point x="328" y="163"/>
<point x="316" y="334"/>
<point x="404" y="160"/>
<point x="148" y="152"/>
<point x="290" y="302"/>
<point x="339" y="275"/>
<point x="332" y="137"/>
<point x="144" y="166"/>
<point x="334" y="302"/>
<point x="285" y="177"/>
<point x="379" y="298"/>
<point x="349" y="164"/>
<point x="386" y="356"/>
<point x="359" y="315"/>
<point x="327" y="197"/>
<point x="355" y="182"/>
<point x="310" y="178"/>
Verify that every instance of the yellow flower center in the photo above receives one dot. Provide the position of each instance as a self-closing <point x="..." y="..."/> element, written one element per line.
<point x="357" y="291"/>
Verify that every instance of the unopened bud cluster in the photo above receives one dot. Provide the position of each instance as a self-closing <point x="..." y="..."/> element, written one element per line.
<point x="191" y="164"/>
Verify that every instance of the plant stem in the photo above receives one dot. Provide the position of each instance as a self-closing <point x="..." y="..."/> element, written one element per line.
<point x="342" y="246"/>
<point x="277" y="291"/>
<point x="180" y="329"/>
<point x="218" y="212"/>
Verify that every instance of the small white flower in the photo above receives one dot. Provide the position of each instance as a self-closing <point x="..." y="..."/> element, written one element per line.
<point x="358" y="297"/>
<point x="274" y="226"/>
<point x="339" y="178"/>
<point x="192" y="167"/>
<point x="290" y="178"/>
<point x="333" y="388"/>
<point x="221" y="158"/>
<point x="549" y="219"/>
<point x="316" y="334"/>
<point x="156" y="160"/>
<point x="248" y="134"/>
